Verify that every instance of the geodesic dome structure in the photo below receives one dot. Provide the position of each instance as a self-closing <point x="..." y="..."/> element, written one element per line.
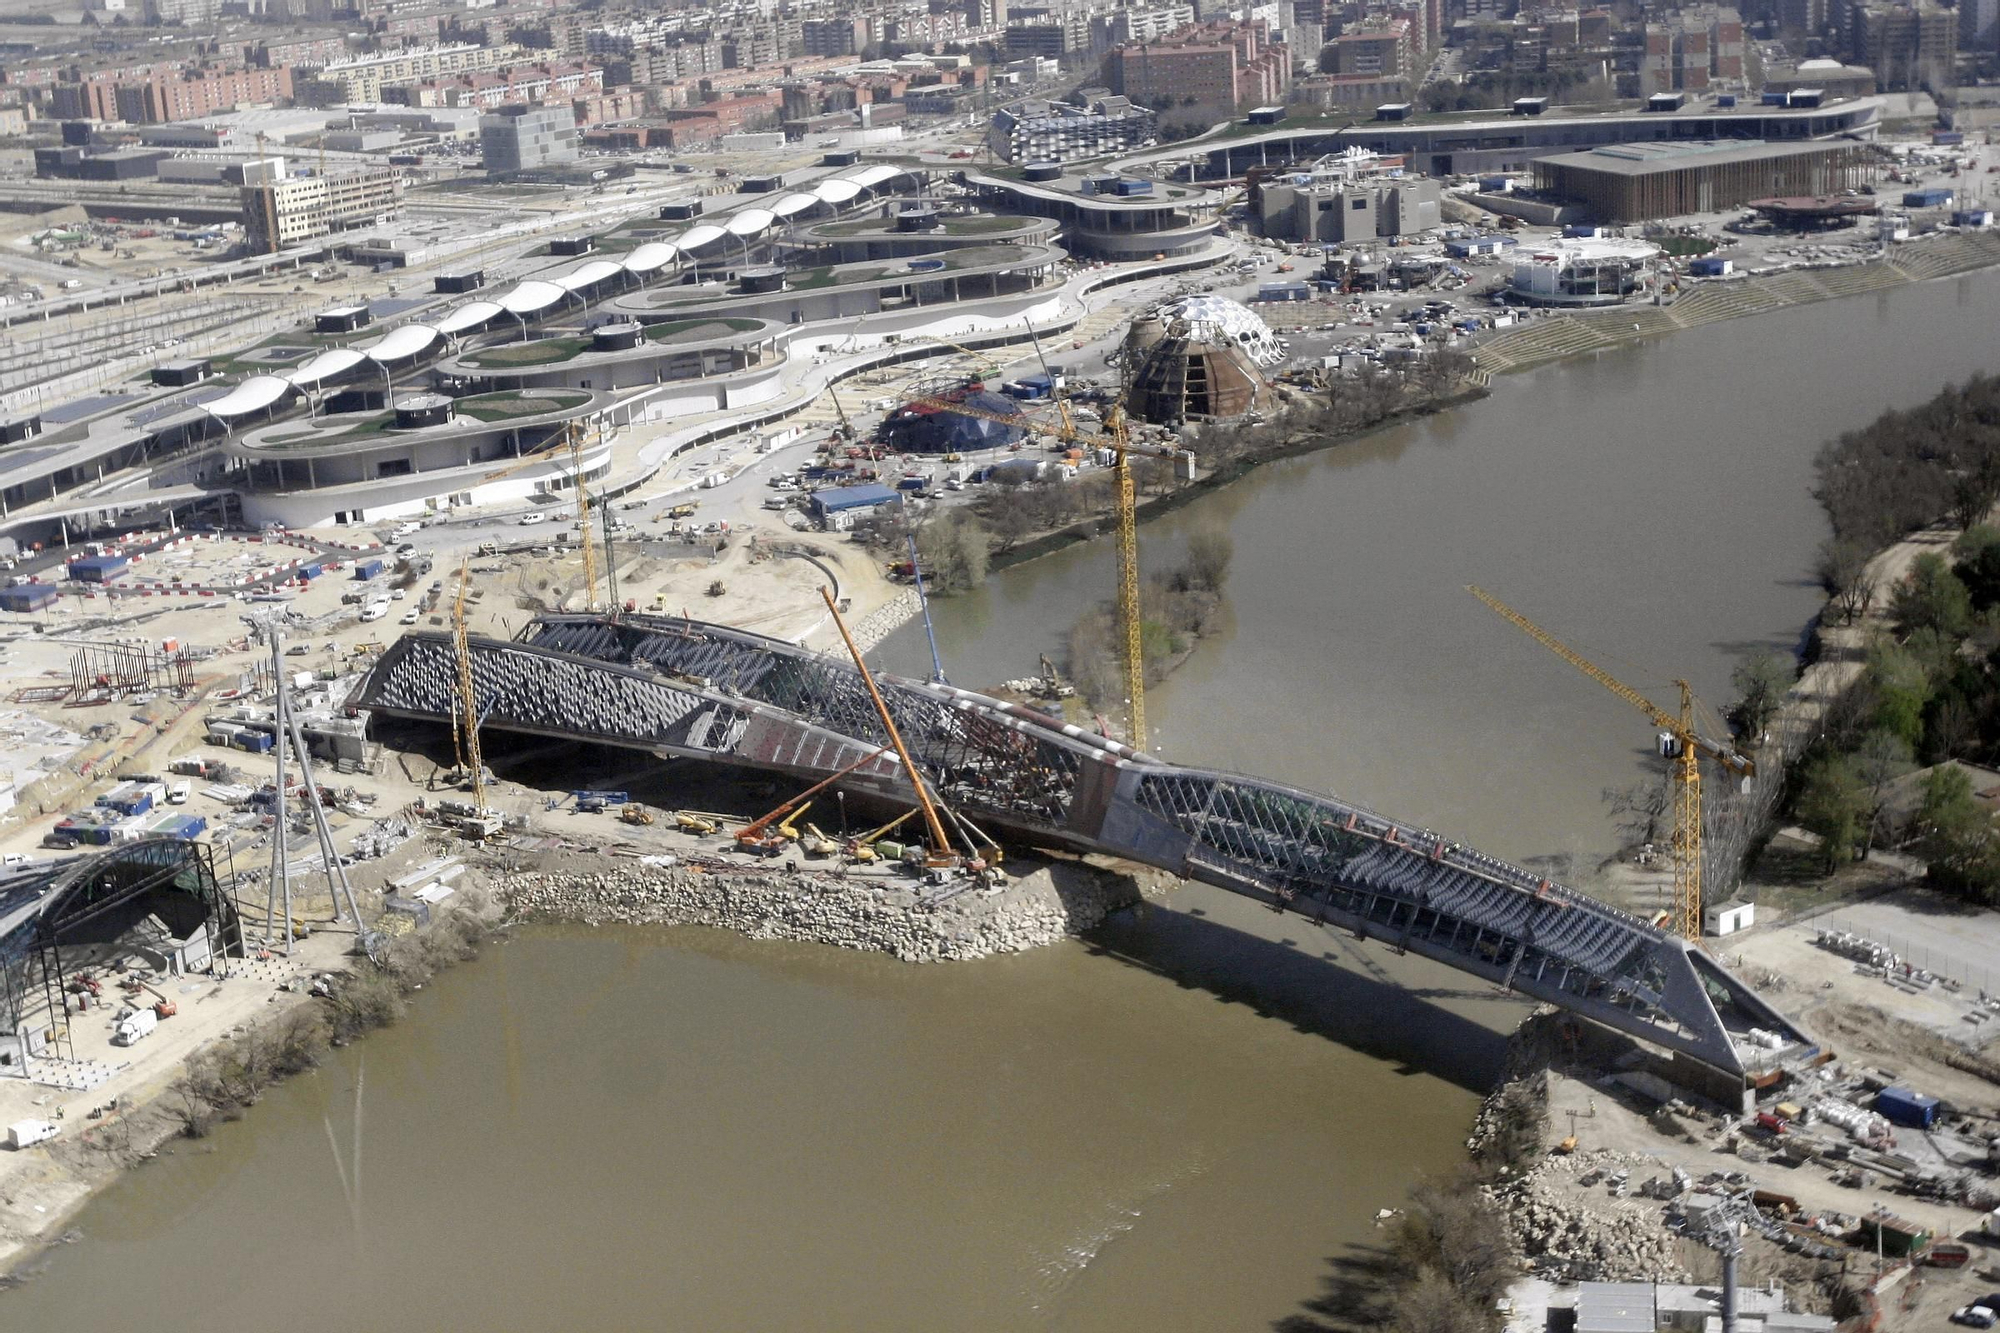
<point x="1219" y="320"/>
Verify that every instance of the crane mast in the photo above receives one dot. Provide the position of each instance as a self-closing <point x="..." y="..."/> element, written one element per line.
<point x="1120" y="443"/>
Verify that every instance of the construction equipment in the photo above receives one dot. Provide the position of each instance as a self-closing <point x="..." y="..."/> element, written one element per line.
<point x="634" y="813"/>
<point x="1116" y="439"/>
<point x="163" y="1007"/>
<point x="687" y="821"/>
<point x="941" y="856"/>
<point x="1680" y="743"/>
<point x="574" y="434"/>
<point x="786" y="828"/>
<point x="470" y="759"/>
<point x="752" y="838"/>
<point x="815" y="843"/>
<point x="862" y="847"/>
<point x="924" y="604"/>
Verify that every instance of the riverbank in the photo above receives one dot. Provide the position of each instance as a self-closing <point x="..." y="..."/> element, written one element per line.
<point x="1558" y="337"/>
<point x="1236" y="469"/>
<point x="266" y="1021"/>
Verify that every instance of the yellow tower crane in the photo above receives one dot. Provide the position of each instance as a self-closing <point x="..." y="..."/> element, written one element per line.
<point x="1119" y="442"/>
<point x="575" y="434"/>
<point x="1685" y="746"/>
<point x="474" y="761"/>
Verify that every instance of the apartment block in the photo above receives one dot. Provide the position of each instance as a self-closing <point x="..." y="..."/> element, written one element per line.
<point x="1217" y="66"/>
<point x="1908" y="46"/>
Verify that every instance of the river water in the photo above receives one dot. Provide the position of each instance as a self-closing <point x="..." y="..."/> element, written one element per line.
<point x="1171" y="1126"/>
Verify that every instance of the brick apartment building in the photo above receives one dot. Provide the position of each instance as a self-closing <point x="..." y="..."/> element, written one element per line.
<point x="1215" y="66"/>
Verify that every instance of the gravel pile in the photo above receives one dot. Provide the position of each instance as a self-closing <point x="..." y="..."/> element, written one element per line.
<point x="851" y="912"/>
<point x="1607" y="1239"/>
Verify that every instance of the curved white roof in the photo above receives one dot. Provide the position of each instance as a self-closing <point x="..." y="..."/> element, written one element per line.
<point x="1219" y="319"/>
<point x="869" y="177"/>
<point x="795" y="203"/>
<point x="468" y="316"/>
<point x="252" y="395"/>
<point x="407" y="341"/>
<point x="696" y="237"/>
<point x="650" y="256"/>
<point x="750" y="222"/>
<point x="589" y="275"/>
<point x="333" y="361"/>
<point x="836" y="191"/>
<point x="531" y="296"/>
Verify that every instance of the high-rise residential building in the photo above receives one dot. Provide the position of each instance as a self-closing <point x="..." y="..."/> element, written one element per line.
<point x="1909" y="46"/>
<point x="1378" y="50"/>
<point x="847" y="36"/>
<point x="520" y="137"/>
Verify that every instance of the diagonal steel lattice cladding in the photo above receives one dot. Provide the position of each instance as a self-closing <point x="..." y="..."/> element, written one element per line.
<point x="691" y="689"/>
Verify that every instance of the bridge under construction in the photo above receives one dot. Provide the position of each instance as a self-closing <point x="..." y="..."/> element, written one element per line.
<point x="688" y="689"/>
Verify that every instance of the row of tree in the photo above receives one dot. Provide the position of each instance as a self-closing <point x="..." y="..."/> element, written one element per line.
<point x="1929" y="692"/>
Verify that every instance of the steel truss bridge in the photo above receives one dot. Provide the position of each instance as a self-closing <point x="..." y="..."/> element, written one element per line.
<point x="685" y="688"/>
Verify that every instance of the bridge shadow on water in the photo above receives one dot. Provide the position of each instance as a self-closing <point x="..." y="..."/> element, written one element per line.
<point x="1322" y="982"/>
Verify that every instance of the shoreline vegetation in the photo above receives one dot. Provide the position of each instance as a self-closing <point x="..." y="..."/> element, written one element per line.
<point x="1912" y="577"/>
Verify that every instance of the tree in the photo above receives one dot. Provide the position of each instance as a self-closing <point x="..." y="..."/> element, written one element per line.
<point x="1978" y="565"/>
<point x="1932" y="597"/>
<point x="1640" y="811"/>
<point x="1761" y="682"/>
<point x="1833" y="804"/>
<point x="1842" y="570"/>
<point x="1430" y="1304"/>
<point x="1209" y="552"/>
<point x="1958" y="838"/>
<point x="953" y="550"/>
<point x="1901" y="689"/>
<point x="1882" y="759"/>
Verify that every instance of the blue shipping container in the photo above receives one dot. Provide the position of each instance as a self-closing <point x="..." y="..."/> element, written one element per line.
<point x="97" y="568"/>
<point x="1900" y="1106"/>
<point x="1926" y="198"/>
<point x="28" y="596"/>
<point x="367" y="569"/>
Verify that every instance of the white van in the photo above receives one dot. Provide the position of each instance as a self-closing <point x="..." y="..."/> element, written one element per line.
<point x="375" y="611"/>
<point x="178" y="792"/>
<point x="533" y="517"/>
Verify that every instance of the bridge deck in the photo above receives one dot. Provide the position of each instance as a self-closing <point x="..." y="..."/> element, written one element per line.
<point x="687" y="688"/>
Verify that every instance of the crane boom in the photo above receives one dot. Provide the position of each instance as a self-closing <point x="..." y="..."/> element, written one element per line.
<point x="1685" y="756"/>
<point x="940" y="843"/>
<point x="475" y="761"/>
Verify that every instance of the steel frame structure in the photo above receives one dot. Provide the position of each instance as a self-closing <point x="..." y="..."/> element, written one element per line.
<point x="687" y="688"/>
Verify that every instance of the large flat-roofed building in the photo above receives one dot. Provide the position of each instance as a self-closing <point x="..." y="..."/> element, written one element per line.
<point x="1642" y="181"/>
<point x="282" y="212"/>
<point x="1348" y="212"/>
<point x="523" y="138"/>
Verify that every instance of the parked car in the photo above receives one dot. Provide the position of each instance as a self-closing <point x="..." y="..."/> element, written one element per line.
<point x="532" y="517"/>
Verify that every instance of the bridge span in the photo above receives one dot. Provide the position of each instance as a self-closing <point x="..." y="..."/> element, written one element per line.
<point x="685" y="688"/>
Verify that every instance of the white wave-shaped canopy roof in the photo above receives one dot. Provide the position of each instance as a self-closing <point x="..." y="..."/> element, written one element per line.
<point x="696" y="237"/>
<point x="403" y="343"/>
<point x="651" y="256"/>
<point x="253" y="395"/>
<point x="333" y="361"/>
<point x="589" y="275"/>
<point x="750" y="222"/>
<point x="870" y="177"/>
<point x="836" y="191"/>
<point x="794" y="204"/>
<point x="532" y="297"/>
<point x="471" y="315"/>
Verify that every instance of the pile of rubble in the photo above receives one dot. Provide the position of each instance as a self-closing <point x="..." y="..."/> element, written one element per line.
<point x="914" y="922"/>
<point x="1596" y="1242"/>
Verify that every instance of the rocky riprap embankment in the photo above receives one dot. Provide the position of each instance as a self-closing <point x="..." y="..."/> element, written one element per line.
<point x="1604" y="1239"/>
<point x="870" y="912"/>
